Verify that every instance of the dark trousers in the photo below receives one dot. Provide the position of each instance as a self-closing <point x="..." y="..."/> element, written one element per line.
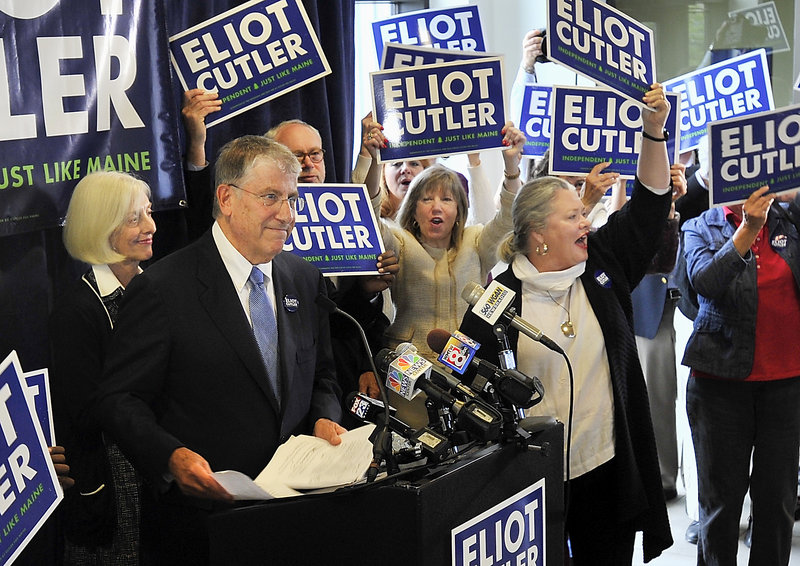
<point x="174" y="529"/>
<point x="596" y="537"/>
<point x="731" y="422"/>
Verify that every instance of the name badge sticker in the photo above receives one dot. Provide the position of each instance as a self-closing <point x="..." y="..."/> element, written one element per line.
<point x="602" y="279"/>
<point x="780" y="241"/>
<point x="290" y="303"/>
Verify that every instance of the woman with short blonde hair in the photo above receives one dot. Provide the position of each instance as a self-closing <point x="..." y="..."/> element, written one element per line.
<point x="99" y="206"/>
<point x="109" y="225"/>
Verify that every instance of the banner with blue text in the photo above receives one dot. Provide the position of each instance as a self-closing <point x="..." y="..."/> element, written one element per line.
<point x="603" y="44"/>
<point x="250" y="54"/>
<point x="84" y="86"/>
<point x="396" y="55"/>
<point x="535" y="119"/>
<point x="752" y="151"/>
<point x="735" y="87"/>
<point x="38" y="391"/>
<point x="30" y="489"/>
<point x="438" y="110"/>
<point x="337" y="230"/>
<point x="766" y="18"/>
<point x="449" y="28"/>
<point x="592" y="125"/>
<point x="512" y="532"/>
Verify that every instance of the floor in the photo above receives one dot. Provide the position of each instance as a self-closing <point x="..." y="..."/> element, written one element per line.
<point x="681" y="553"/>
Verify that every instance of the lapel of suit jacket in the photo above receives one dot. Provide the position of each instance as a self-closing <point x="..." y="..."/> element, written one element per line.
<point x="289" y="324"/>
<point x="218" y="297"/>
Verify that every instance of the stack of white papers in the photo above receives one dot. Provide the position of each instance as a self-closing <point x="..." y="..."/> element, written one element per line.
<point x="305" y="462"/>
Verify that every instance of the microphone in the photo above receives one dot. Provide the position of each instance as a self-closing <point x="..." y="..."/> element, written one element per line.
<point x="494" y="302"/>
<point x="513" y="385"/>
<point x="371" y="410"/>
<point x="405" y="373"/>
<point x="438" y="376"/>
<point x="504" y="352"/>
<point x="432" y="444"/>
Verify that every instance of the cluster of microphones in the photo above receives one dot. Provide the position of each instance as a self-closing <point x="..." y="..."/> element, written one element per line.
<point x="488" y="409"/>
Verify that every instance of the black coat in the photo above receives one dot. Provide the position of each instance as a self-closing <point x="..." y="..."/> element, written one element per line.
<point x="619" y="254"/>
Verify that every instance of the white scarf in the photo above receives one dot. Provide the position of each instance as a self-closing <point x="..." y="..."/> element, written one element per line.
<point x="547" y="280"/>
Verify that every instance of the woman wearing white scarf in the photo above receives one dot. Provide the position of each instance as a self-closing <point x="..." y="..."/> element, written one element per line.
<point x="576" y="286"/>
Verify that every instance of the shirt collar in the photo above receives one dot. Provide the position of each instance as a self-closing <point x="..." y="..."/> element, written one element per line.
<point x="731" y="215"/>
<point x="107" y="282"/>
<point x="235" y="263"/>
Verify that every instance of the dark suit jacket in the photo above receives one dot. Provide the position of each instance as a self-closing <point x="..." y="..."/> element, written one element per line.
<point x="184" y="368"/>
<point x="200" y="196"/>
<point x="619" y="254"/>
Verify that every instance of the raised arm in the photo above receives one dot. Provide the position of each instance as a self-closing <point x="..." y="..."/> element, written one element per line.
<point x="367" y="169"/>
<point x="653" y="168"/>
<point x="197" y="104"/>
<point x="514" y="140"/>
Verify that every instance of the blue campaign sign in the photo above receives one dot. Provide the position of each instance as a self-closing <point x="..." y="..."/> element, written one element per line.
<point x="735" y="87"/>
<point x="535" y="119"/>
<point x="603" y="44"/>
<point x="397" y="55"/>
<point x="436" y="110"/>
<point x="753" y="151"/>
<point x="38" y="391"/>
<point x="766" y="21"/>
<point x="85" y="93"/>
<point x="592" y="126"/>
<point x="250" y="54"/>
<point x="511" y="532"/>
<point x="29" y="490"/>
<point x="337" y="230"/>
<point x="449" y="28"/>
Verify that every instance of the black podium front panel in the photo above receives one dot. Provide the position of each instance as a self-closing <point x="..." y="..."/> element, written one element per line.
<point x="405" y="520"/>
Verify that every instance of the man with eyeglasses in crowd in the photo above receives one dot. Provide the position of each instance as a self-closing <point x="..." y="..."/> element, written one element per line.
<point x="194" y="382"/>
<point x="359" y="296"/>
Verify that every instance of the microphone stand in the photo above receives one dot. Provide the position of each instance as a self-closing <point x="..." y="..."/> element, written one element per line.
<point x="521" y="428"/>
<point x="506" y="354"/>
<point x="382" y="436"/>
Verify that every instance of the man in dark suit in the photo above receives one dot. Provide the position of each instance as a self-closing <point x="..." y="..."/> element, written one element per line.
<point x="359" y="296"/>
<point x="186" y="388"/>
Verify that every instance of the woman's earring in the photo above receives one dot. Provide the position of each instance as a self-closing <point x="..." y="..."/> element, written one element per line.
<point x="542" y="250"/>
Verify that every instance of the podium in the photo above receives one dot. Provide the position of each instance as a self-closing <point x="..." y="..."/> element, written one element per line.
<point x="403" y="520"/>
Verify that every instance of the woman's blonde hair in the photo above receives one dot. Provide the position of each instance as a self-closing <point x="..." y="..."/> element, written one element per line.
<point x="99" y="206"/>
<point x="431" y="180"/>
<point x="532" y="206"/>
<point x="388" y="208"/>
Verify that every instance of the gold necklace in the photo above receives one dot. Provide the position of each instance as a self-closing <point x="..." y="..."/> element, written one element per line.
<point x="567" y="328"/>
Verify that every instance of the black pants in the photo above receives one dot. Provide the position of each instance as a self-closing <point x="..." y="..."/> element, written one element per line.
<point x="595" y="536"/>
<point x="175" y="529"/>
<point x="734" y="422"/>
